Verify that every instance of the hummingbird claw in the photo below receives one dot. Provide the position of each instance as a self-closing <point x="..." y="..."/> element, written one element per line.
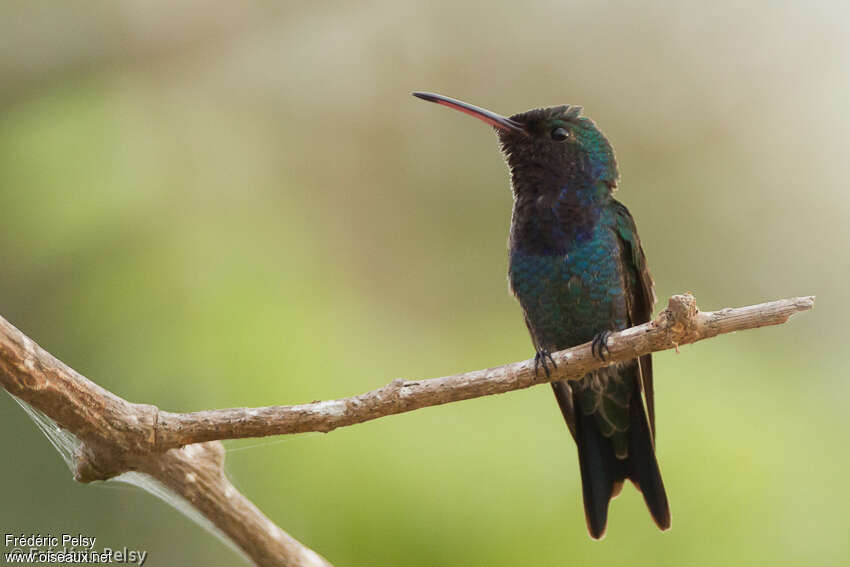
<point x="599" y="346"/>
<point x="540" y="360"/>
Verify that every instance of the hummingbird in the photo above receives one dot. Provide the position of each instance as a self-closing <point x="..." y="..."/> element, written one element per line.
<point x="577" y="268"/>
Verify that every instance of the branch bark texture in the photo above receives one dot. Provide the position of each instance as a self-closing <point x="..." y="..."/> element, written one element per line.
<point x="183" y="450"/>
<point x="681" y="323"/>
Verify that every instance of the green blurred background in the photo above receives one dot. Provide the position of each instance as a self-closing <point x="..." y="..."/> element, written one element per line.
<point x="215" y="204"/>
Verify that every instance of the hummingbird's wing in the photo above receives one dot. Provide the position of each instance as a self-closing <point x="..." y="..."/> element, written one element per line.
<point x="640" y="295"/>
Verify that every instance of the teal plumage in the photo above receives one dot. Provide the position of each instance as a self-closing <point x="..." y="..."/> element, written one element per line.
<point x="567" y="295"/>
<point x="577" y="268"/>
<point x="578" y="271"/>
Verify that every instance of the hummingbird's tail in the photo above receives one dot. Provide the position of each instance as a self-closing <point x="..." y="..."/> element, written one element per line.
<point x="603" y="473"/>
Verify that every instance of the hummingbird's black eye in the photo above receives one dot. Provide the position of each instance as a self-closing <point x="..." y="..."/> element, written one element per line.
<point x="560" y="134"/>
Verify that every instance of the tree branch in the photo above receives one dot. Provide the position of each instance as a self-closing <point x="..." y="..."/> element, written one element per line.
<point x="681" y="323"/>
<point x="196" y="472"/>
<point x="119" y="436"/>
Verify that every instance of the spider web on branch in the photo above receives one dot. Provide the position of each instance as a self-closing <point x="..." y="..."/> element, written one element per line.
<point x="67" y="445"/>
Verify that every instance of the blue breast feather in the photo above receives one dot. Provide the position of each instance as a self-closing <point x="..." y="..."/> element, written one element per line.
<point x="569" y="298"/>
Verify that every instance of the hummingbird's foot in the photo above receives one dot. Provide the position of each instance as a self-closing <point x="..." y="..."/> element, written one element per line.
<point x="540" y="360"/>
<point x="599" y="346"/>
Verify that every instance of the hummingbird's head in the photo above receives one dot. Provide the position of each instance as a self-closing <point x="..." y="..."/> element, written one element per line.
<point x="545" y="145"/>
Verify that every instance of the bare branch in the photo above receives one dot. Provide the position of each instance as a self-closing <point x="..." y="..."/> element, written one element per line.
<point x="196" y="472"/>
<point x="681" y="323"/>
<point x="119" y="436"/>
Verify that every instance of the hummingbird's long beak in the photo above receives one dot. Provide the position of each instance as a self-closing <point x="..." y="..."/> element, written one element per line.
<point x="491" y="118"/>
